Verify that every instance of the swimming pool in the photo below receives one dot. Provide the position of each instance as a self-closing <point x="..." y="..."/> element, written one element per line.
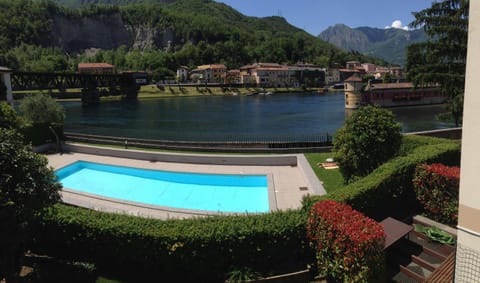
<point x="192" y="191"/>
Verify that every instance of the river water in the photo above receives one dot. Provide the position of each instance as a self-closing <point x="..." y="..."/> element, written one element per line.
<point x="219" y="118"/>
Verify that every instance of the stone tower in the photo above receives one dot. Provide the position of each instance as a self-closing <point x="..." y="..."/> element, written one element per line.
<point x="353" y="92"/>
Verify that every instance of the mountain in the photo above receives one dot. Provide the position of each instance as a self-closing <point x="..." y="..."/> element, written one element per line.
<point x="152" y="35"/>
<point x="388" y="44"/>
<point x="78" y="3"/>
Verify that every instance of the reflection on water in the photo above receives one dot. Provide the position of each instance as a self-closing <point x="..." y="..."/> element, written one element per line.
<point x="274" y="117"/>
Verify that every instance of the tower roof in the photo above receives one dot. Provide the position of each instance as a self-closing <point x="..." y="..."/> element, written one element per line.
<point x="354" y="78"/>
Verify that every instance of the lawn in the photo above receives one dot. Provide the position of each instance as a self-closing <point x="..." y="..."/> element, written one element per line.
<point x="332" y="179"/>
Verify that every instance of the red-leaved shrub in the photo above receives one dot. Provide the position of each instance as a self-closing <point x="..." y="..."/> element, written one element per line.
<point x="436" y="187"/>
<point x="349" y="245"/>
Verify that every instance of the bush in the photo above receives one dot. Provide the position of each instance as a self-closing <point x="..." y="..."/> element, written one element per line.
<point x="197" y="250"/>
<point x="436" y="187"/>
<point x="388" y="190"/>
<point x="369" y="137"/>
<point x="8" y="117"/>
<point x="349" y="245"/>
<point x="41" y="133"/>
<point x="27" y="187"/>
<point x="42" y="108"/>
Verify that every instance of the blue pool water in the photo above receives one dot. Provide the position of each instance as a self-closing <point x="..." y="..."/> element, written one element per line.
<point x="208" y="192"/>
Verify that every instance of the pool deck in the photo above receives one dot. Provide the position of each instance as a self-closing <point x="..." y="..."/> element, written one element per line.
<point x="288" y="182"/>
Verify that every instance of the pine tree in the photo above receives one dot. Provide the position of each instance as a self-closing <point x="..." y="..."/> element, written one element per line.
<point x="442" y="59"/>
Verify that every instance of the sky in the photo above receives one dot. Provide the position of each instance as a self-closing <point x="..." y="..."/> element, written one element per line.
<point x="314" y="16"/>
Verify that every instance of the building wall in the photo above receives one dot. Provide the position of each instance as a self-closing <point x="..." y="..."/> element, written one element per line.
<point x="467" y="267"/>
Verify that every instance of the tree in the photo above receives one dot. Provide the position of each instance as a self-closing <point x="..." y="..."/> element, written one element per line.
<point x="8" y="117"/>
<point x="442" y="59"/>
<point x="369" y="137"/>
<point x="27" y="188"/>
<point x="42" y="108"/>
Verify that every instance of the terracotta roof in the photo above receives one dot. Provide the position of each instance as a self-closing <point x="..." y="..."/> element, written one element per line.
<point x="391" y="86"/>
<point x="354" y="78"/>
<point x="272" y="69"/>
<point x="349" y="70"/>
<point x="212" y="66"/>
<point x="94" y="65"/>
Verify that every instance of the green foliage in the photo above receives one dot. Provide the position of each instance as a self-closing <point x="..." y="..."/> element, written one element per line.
<point x="27" y="187"/>
<point x="42" y="108"/>
<point x="435" y="234"/>
<point x="203" y="249"/>
<point x="442" y="59"/>
<point x="388" y="190"/>
<point x="34" y="58"/>
<point x="203" y="32"/>
<point x="8" y="117"/>
<point x="242" y="274"/>
<point x="436" y="188"/>
<point x="349" y="246"/>
<point x="25" y="21"/>
<point x="369" y="137"/>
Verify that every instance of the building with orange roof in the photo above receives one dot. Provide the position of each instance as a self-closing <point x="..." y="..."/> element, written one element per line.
<point x="96" y="68"/>
<point x="213" y="73"/>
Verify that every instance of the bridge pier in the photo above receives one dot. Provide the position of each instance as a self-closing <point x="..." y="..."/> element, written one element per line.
<point x="6" y="85"/>
<point x="128" y="86"/>
<point x="90" y="95"/>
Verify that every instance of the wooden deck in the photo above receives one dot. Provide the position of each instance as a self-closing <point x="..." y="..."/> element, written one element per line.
<point x="445" y="272"/>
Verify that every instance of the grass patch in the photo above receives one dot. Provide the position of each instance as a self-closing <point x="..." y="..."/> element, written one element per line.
<point x="332" y="179"/>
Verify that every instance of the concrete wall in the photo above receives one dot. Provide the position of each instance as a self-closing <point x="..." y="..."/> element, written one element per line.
<point x="467" y="267"/>
<point x="254" y="160"/>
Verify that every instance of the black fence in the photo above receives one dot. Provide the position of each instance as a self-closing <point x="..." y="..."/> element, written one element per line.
<point x="227" y="143"/>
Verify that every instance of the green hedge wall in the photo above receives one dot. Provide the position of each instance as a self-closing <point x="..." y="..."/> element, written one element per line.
<point x="201" y="249"/>
<point x="388" y="190"/>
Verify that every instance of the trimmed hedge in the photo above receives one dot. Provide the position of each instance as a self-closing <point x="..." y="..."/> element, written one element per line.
<point x="349" y="245"/>
<point x="388" y="190"/>
<point x="201" y="249"/>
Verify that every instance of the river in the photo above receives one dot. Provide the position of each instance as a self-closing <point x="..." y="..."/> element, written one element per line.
<point x="220" y="118"/>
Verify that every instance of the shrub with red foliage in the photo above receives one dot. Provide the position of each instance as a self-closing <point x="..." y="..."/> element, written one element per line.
<point x="349" y="245"/>
<point x="436" y="187"/>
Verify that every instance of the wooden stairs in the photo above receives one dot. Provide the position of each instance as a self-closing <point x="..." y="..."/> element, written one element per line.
<point x="419" y="260"/>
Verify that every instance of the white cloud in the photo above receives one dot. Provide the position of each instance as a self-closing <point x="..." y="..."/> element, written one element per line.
<point x="397" y="24"/>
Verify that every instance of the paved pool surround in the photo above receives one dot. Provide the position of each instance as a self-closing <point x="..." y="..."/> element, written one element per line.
<point x="290" y="177"/>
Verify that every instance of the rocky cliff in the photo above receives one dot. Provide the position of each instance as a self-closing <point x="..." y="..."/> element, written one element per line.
<point x="105" y="32"/>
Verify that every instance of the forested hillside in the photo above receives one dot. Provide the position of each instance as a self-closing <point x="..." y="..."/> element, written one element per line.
<point x="156" y="37"/>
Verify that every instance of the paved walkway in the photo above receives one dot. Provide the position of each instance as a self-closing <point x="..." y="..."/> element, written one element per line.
<point x="287" y="184"/>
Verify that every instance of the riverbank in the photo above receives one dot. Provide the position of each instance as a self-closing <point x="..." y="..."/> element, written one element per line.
<point x="153" y="91"/>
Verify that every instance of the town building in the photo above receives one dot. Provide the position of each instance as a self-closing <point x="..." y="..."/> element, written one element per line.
<point x="213" y="73"/>
<point x="347" y="73"/>
<point x="266" y="75"/>
<point x="96" y="68"/>
<point x="352" y="64"/>
<point x="307" y="75"/>
<point x="233" y="77"/>
<point x="369" y="68"/>
<point x="396" y="72"/>
<point x="401" y="94"/>
<point x="332" y="76"/>
<point x="182" y="74"/>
